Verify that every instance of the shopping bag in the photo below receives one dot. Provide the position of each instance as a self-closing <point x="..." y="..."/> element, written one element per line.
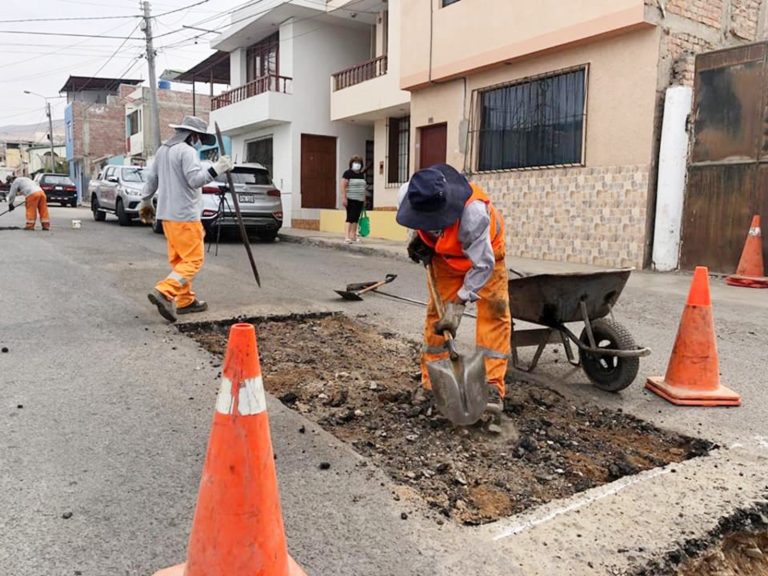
<point x="364" y="224"/>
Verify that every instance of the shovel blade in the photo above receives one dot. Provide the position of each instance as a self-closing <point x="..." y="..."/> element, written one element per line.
<point x="460" y="389"/>
<point x="348" y="295"/>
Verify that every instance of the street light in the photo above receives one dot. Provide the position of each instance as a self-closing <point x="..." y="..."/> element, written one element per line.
<point x="50" y="123"/>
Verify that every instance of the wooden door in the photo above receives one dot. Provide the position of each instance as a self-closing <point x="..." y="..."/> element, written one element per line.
<point x="728" y="171"/>
<point x="433" y="142"/>
<point x="318" y="171"/>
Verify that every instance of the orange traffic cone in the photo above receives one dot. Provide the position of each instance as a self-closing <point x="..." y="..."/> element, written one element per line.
<point x="238" y="525"/>
<point x="693" y="376"/>
<point x="751" y="271"/>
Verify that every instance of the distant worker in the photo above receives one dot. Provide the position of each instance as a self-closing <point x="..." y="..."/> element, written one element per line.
<point x="461" y="234"/>
<point x="37" y="203"/>
<point x="177" y="177"/>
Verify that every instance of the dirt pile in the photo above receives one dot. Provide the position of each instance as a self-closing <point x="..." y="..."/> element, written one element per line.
<point x="363" y="386"/>
<point x="736" y="555"/>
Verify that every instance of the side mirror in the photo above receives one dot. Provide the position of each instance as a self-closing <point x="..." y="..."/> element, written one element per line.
<point x="114" y="179"/>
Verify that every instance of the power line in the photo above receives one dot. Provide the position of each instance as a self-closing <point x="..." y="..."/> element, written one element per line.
<point x="69" y="19"/>
<point x="66" y="34"/>
<point x="180" y="9"/>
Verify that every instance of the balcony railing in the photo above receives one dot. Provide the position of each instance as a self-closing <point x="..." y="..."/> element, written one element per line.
<point x="268" y="83"/>
<point x="360" y="73"/>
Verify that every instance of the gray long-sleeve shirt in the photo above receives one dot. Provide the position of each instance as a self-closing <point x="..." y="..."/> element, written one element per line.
<point x="177" y="176"/>
<point x="24" y="186"/>
<point x="476" y="243"/>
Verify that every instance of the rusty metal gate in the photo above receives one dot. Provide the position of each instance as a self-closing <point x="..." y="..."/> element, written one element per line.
<point x="728" y="171"/>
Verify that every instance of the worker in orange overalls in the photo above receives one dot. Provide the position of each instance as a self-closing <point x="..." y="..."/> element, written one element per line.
<point x="177" y="177"/>
<point x="37" y="203"/>
<point x="461" y="234"/>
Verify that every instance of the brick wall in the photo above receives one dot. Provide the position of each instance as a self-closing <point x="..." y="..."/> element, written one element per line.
<point x="695" y="26"/>
<point x="99" y="129"/>
<point x="173" y="106"/>
<point x="588" y="215"/>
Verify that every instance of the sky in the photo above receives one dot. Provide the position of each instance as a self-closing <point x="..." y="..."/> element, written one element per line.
<point x="42" y="62"/>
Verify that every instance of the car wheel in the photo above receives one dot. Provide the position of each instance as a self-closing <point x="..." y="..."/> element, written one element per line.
<point x="157" y="226"/>
<point x="98" y="215"/>
<point x="73" y="203"/>
<point x="267" y="235"/>
<point x="122" y="216"/>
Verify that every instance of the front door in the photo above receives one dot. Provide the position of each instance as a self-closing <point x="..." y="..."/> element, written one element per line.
<point x="318" y="171"/>
<point x="433" y="143"/>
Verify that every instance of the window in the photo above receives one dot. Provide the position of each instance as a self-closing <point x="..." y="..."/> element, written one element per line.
<point x="399" y="147"/>
<point x="133" y="175"/>
<point x="134" y="123"/>
<point x="533" y="123"/>
<point x="449" y="2"/>
<point x="263" y="58"/>
<point x="260" y="151"/>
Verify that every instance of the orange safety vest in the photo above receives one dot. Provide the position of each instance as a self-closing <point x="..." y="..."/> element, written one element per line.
<point x="449" y="246"/>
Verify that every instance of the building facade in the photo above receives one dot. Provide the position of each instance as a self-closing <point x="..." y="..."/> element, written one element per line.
<point x="94" y="124"/>
<point x="277" y="113"/>
<point x="173" y="105"/>
<point x="557" y="113"/>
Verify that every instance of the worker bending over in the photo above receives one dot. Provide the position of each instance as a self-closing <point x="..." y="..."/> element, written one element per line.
<point x="462" y="235"/>
<point x="37" y="203"/>
<point x="177" y="177"/>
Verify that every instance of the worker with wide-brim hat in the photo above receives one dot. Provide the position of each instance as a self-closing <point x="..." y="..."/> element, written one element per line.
<point x="461" y="234"/>
<point x="177" y="177"/>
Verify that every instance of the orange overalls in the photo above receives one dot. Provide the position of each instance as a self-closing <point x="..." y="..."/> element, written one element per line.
<point x="494" y="322"/>
<point x="36" y="204"/>
<point x="186" y="252"/>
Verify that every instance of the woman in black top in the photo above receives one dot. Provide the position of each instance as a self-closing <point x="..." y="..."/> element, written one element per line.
<point x="353" y="197"/>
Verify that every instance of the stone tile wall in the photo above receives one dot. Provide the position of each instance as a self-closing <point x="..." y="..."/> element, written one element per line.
<point x="588" y="215"/>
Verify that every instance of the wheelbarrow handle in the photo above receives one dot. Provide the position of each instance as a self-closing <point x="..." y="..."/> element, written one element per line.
<point x="435" y="295"/>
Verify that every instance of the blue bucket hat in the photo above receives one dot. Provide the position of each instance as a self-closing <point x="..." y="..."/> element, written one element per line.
<point x="435" y="198"/>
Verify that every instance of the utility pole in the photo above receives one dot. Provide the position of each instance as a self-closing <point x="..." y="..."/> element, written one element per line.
<point x="154" y="111"/>
<point x="50" y="134"/>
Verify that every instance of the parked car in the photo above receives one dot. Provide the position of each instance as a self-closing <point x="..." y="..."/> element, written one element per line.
<point x="260" y="203"/>
<point x="118" y="190"/>
<point x="58" y="188"/>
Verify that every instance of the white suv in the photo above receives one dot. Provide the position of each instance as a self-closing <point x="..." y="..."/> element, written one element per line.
<point x="118" y="190"/>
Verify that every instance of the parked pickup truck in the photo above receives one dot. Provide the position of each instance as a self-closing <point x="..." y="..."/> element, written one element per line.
<point x="117" y="190"/>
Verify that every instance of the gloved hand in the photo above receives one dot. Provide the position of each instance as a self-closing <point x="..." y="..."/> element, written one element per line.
<point x="11" y="207"/>
<point x="418" y="251"/>
<point x="223" y="164"/>
<point x="146" y="211"/>
<point x="454" y="310"/>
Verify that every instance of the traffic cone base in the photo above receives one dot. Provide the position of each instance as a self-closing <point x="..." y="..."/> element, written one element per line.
<point x="747" y="281"/>
<point x="180" y="570"/>
<point x="720" y="396"/>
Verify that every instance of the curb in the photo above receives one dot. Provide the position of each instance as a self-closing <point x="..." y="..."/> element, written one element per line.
<point x="362" y="250"/>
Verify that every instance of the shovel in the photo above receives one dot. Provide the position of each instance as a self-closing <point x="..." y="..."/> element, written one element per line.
<point x="354" y="294"/>
<point x="458" y="383"/>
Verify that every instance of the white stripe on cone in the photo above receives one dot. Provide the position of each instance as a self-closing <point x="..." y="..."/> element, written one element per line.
<point x="250" y="397"/>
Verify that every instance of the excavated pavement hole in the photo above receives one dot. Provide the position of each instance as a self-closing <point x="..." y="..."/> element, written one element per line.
<point x="363" y="386"/>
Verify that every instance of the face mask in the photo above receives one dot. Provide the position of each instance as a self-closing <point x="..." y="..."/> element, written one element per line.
<point x="198" y="145"/>
<point x="357" y="167"/>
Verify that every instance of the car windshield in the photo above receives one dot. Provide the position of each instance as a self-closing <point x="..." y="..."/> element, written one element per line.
<point x="133" y="175"/>
<point x="252" y="176"/>
<point x="57" y="180"/>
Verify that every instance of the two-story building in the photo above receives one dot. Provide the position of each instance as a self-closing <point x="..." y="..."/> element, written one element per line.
<point x="555" y="108"/>
<point x="282" y="57"/>
<point x="94" y="123"/>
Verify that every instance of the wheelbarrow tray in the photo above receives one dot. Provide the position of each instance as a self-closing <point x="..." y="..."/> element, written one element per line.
<point x="555" y="299"/>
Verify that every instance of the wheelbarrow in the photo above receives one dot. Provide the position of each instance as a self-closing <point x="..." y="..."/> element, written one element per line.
<point x="608" y="353"/>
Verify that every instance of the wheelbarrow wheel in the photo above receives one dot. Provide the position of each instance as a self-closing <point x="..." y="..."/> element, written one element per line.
<point x="609" y="373"/>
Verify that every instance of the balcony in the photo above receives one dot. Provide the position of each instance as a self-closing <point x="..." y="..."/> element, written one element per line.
<point x="360" y="73"/>
<point x="268" y="83"/>
<point x="266" y="101"/>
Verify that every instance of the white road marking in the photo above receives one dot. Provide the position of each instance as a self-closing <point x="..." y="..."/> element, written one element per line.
<point x="597" y="494"/>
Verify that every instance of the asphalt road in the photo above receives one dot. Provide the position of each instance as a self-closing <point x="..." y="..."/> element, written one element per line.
<point x="105" y="414"/>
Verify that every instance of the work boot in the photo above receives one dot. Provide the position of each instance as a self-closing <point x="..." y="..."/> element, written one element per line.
<point x="196" y="306"/>
<point x="165" y="306"/>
